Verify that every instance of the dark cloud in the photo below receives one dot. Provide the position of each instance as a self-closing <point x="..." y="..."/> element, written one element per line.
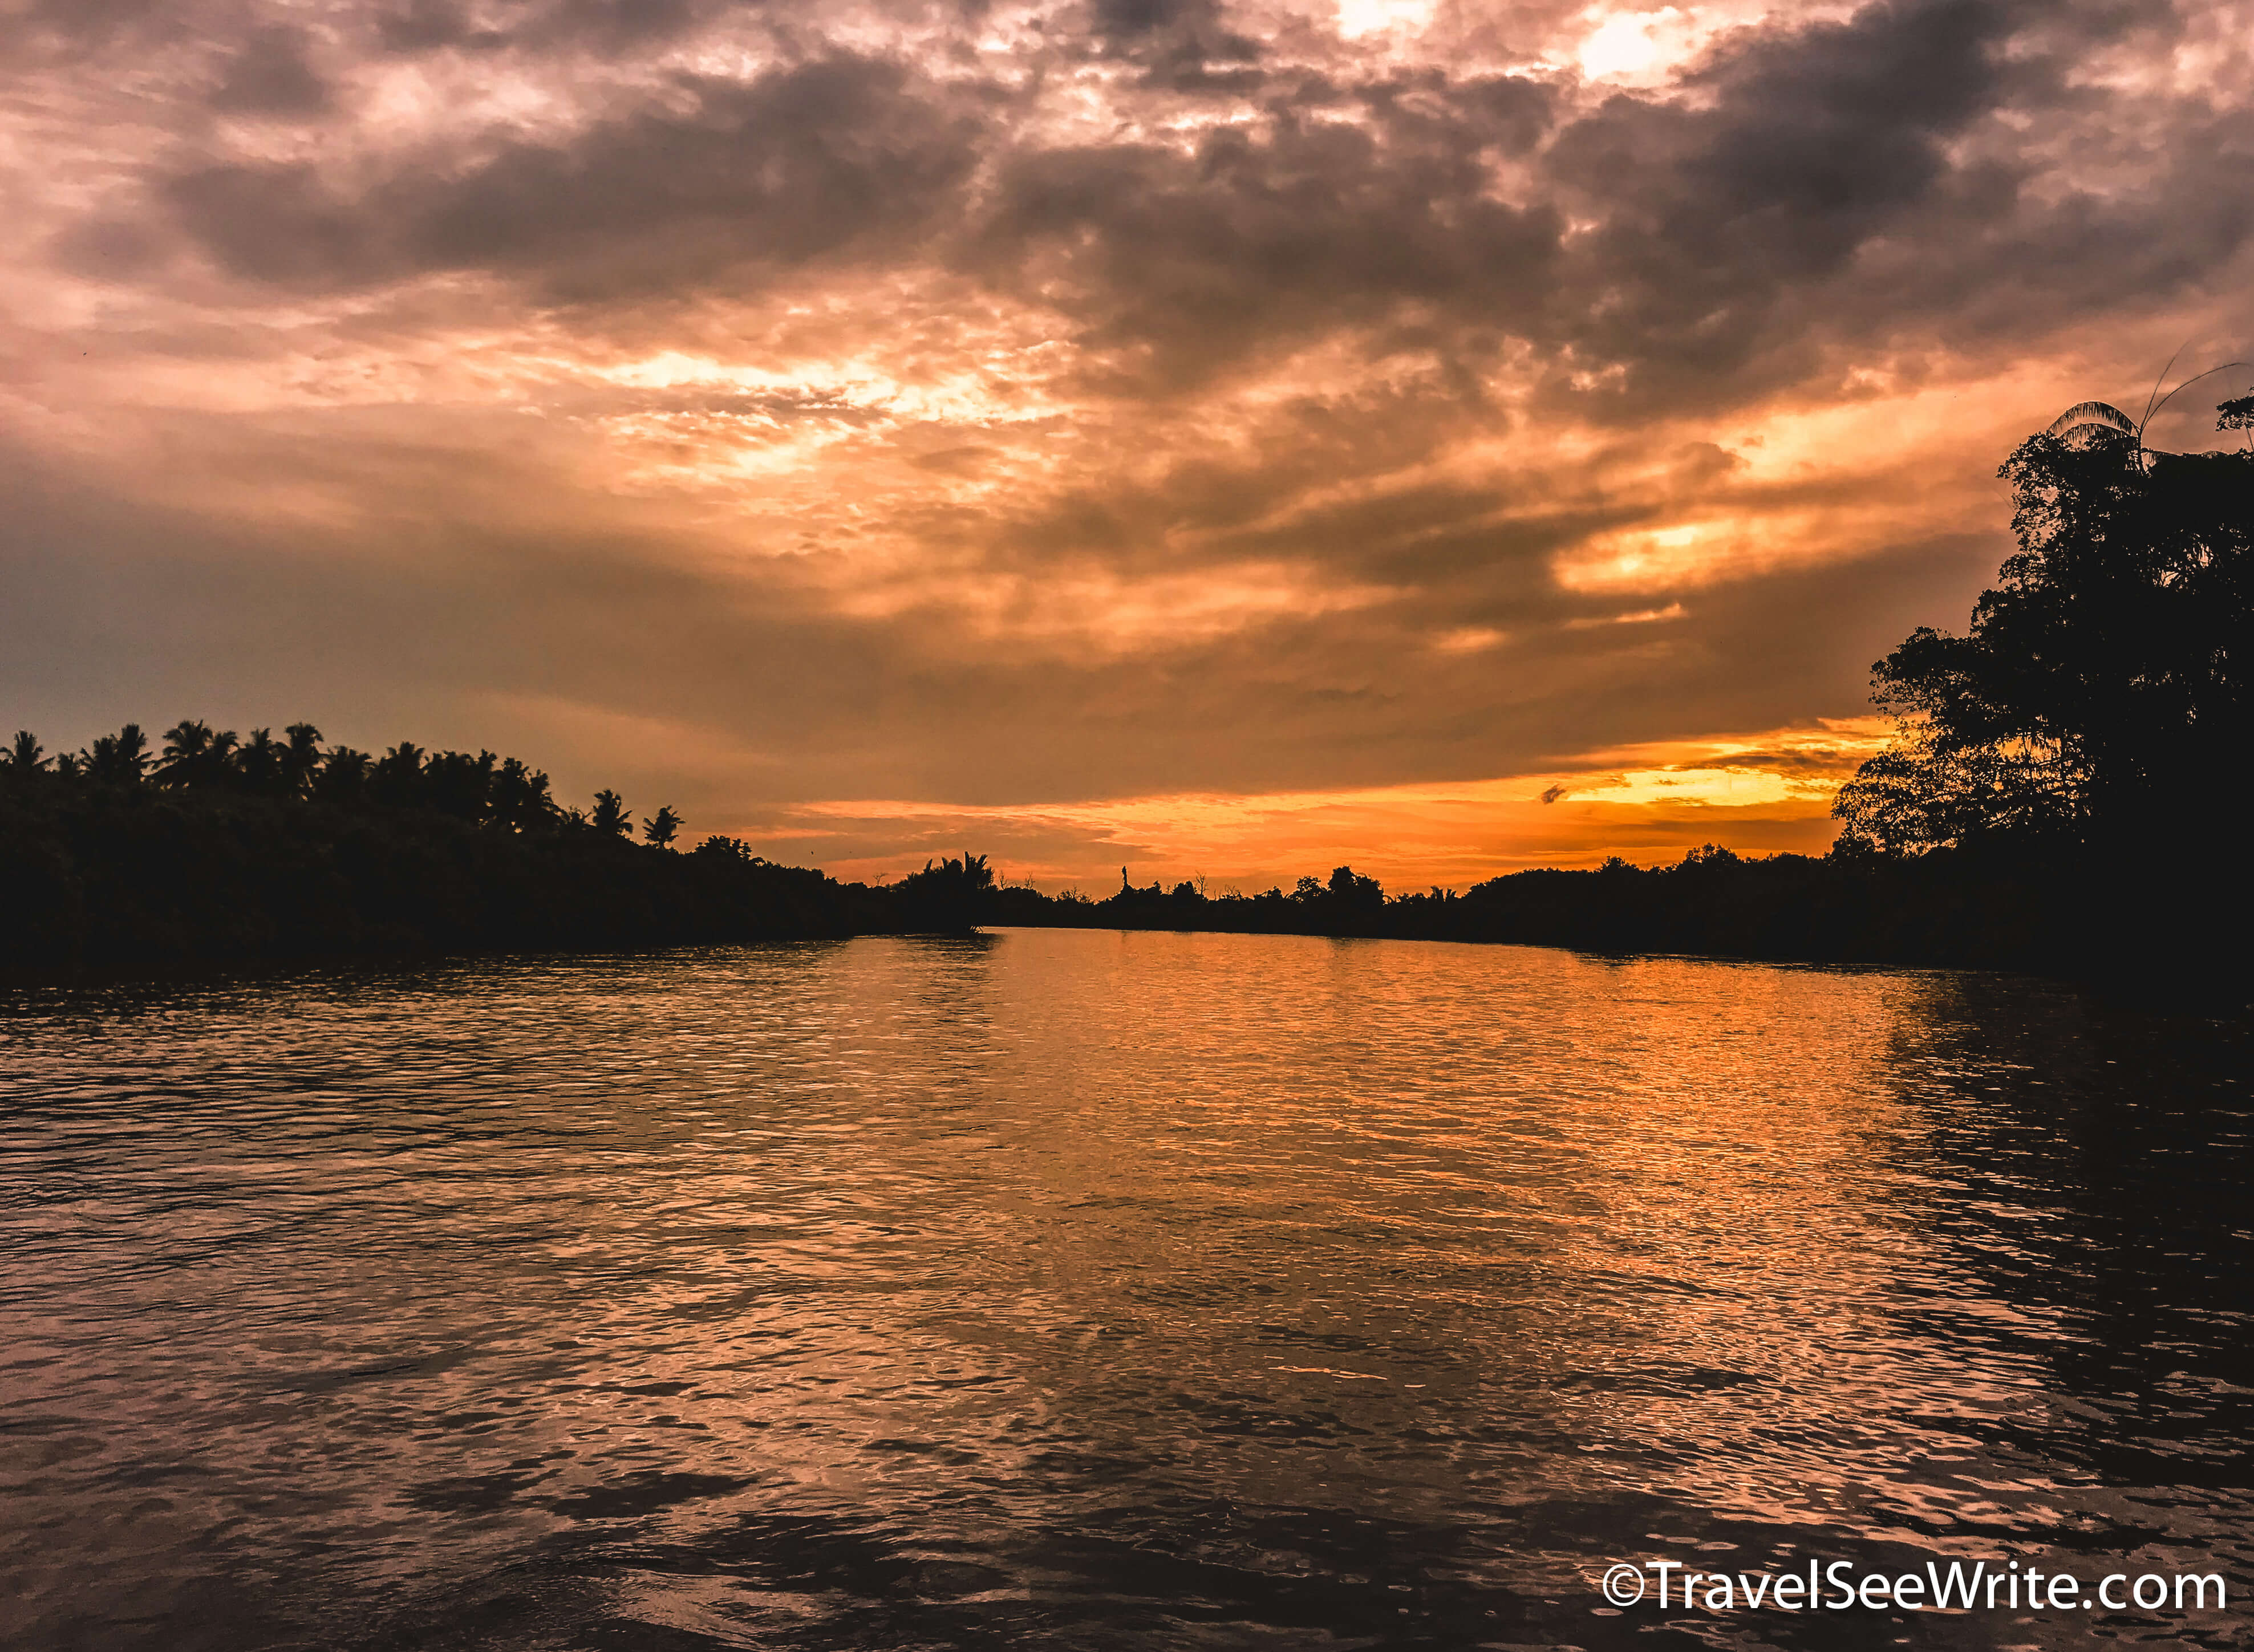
<point x="610" y="26"/>
<point x="1716" y="212"/>
<point x="270" y="75"/>
<point x="430" y="25"/>
<point x="1802" y="190"/>
<point x="773" y="172"/>
<point x="1186" y="260"/>
<point x="1183" y="46"/>
<point x="1709" y="212"/>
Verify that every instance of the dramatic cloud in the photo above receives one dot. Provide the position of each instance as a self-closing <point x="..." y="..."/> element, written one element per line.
<point x="1219" y="437"/>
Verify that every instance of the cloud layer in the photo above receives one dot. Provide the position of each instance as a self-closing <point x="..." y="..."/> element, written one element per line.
<point x="1036" y="416"/>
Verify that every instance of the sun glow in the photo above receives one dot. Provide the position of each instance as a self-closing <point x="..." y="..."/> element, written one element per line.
<point x="1758" y="792"/>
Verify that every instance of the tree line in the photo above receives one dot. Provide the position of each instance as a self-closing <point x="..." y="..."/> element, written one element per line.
<point x="211" y="847"/>
<point x="499" y="792"/>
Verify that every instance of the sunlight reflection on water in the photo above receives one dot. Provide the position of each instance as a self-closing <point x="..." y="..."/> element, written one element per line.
<point x="1102" y="1290"/>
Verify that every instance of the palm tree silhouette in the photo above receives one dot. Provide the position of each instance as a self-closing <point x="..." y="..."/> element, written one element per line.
<point x="302" y="758"/>
<point x="187" y="747"/>
<point x="121" y="759"/>
<point x="343" y="775"/>
<point x="260" y="763"/>
<point x="25" y="754"/>
<point x="662" y="828"/>
<point x="397" y="777"/>
<point x="611" y="817"/>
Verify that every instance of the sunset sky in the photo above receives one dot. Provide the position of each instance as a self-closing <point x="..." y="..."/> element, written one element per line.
<point x="1223" y="439"/>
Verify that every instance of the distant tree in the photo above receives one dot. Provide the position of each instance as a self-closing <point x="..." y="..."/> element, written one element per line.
<point x="2236" y="414"/>
<point x="521" y="800"/>
<point x="1349" y="889"/>
<point x="196" y="755"/>
<point x="118" y="760"/>
<point x="397" y="777"/>
<point x="25" y="754"/>
<point x="611" y="815"/>
<point x="301" y="758"/>
<point x="732" y="849"/>
<point x="2104" y="684"/>
<point x="949" y="894"/>
<point x="342" y="777"/>
<point x="456" y="783"/>
<point x="261" y="764"/>
<point x="185" y="743"/>
<point x="662" y="828"/>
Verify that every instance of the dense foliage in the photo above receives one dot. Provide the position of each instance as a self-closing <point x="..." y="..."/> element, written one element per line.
<point x="220" y="848"/>
<point x="1938" y="909"/>
<point x="2100" y="698"/>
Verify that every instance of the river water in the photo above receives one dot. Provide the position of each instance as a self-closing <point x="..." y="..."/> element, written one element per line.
<point x="1059" y="1289"/>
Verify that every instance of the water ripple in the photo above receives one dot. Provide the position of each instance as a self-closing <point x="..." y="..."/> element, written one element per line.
<point x="1090" y="1290"/>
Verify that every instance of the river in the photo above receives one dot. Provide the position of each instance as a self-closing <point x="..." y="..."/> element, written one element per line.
<point x="1075" y="1289"/>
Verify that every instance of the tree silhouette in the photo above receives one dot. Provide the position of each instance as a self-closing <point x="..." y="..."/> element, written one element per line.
<point x="2236" y="414"/>
<point x="117" y="760"/>
<point x="520" y="801"/>
<point x="301" y="759"/>
<point x="342" y="777"/>
<point x="456" y="783"/>
<point x="397" y="777"/>
<point x="2102" y="687"/>
<point x="261" y="764"/>
<point x="611" y="817"/>
<point x="950" y="895"/>
<point x="1350" y="891"/>
<point x="500" y="795"/>
<point x="195" y="755"/>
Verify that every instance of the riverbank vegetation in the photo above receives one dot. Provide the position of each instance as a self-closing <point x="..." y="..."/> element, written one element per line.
<point x="211" y="847"/>
<point x="1961" y="908"/>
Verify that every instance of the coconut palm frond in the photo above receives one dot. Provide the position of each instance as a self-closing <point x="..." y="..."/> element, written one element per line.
<point x="2103" y="413"/>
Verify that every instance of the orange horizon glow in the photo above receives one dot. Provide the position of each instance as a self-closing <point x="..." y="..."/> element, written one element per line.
<point x="1761" y="795"/>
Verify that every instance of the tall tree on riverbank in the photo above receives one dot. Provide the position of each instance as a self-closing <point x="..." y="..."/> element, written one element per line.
<point x="2100" y="697"/>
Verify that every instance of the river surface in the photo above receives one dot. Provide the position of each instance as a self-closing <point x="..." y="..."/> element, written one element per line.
<point x="1082" y="1289"/>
